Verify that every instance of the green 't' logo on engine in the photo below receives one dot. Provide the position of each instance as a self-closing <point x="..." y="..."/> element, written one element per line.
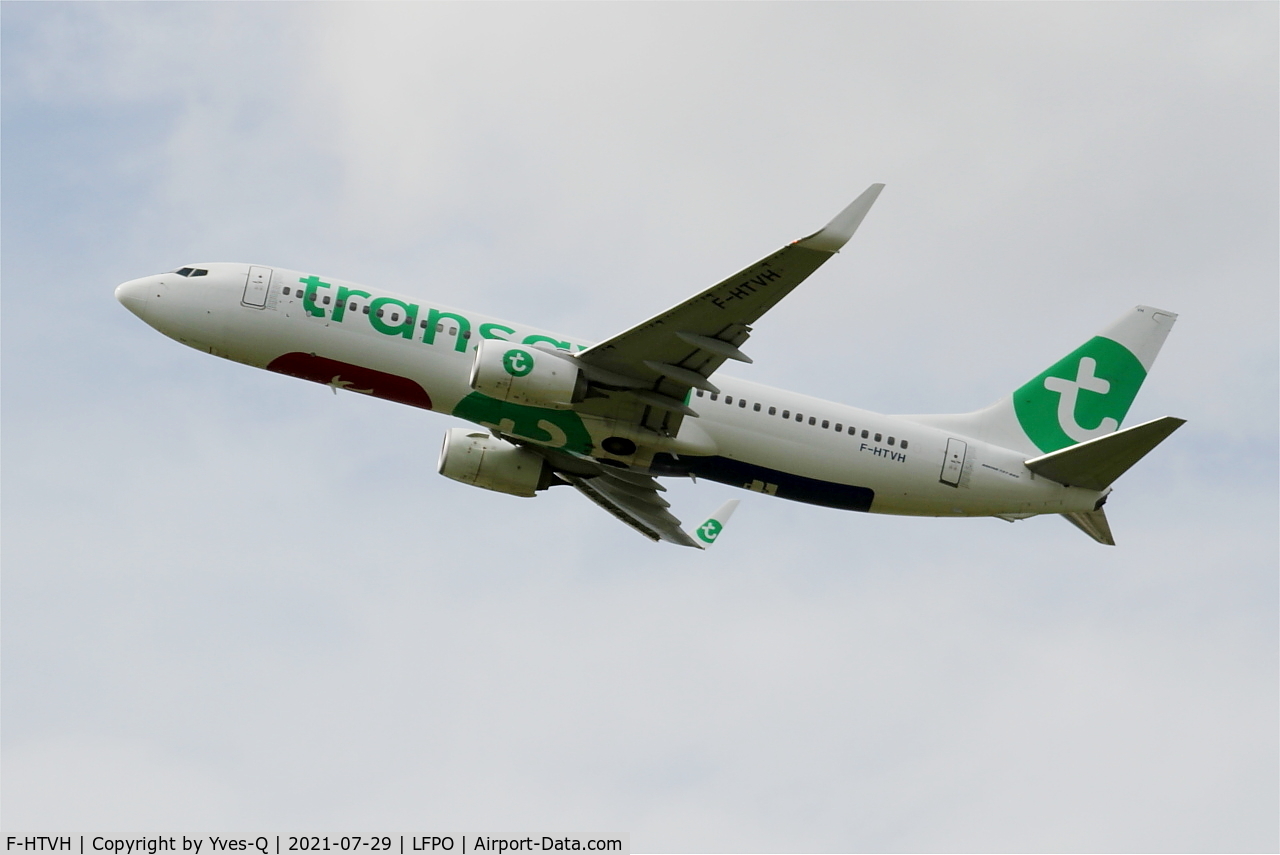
<point x="1082" y="396"/>
<point x="517" y="362"/>
<point x="710" y="530"/>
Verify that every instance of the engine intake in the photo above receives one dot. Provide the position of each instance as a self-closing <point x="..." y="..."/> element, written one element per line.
<point x="482" y="460"/>
<point x="520" y="374"/>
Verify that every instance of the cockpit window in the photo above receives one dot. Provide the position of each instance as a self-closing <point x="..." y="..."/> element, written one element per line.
<point x="191" y="271"/>
<point x="186" y="271"/>
<point x="199" y="272"/>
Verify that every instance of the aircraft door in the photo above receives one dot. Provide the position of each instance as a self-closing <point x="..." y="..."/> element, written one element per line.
<point x="953" y="464"/>
<point x="255" y="289"/>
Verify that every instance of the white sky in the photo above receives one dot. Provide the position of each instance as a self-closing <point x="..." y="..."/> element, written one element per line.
<point x="235" y="601"/>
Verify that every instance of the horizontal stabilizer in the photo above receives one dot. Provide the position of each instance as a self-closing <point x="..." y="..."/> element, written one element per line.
<point x="1097" y="463"/>
<point x="837" y="232"/>
<point x="1094" y="524"/>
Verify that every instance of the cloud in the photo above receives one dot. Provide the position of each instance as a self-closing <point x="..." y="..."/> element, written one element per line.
<point x="236" y="598"/>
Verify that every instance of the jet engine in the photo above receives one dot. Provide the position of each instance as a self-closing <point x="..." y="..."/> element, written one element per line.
<point x="482" y="460"/>
<point x="520" y="374"/>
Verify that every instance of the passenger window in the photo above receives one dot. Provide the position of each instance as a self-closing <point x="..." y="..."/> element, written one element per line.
<point x="395" y="316"/>
<point x="714" y="396"/>
<point x="877" y="437"/>
<point x="365" y="310"/>
<point x="698" y="393"/>
<point x="786" y="414"/>
<point x="728" y="399"/>
<point x="865" y="434"/>
<point x="440" y="327"/>
<point x="812" y="420"/>
<point x="380" y="313"/>
<point x="891" y="440"/>
<point x="453" y="330"/>
<point x="467" y="334"/>
<point x="326" y="301"/>
<point x="904" y="444"/>
<point x="839" y="427"/>
<point x="286" y="290"/>
<point x="742" y="402"/>
<point x="755" y="407"/>
<point x="423" y="325"/>
<point x="311" y="297"/>
<point x="825" y="424"/>
<point x="773" y="411"/>
<point x="799" y="417"/>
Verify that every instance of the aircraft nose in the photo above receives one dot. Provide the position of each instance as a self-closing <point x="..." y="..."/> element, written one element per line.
<point x="133" y="295"/>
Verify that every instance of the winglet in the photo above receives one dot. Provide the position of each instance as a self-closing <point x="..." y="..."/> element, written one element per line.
<point x="837" y="232"/>
<point x="1094" y="524"/>
<point x="710" y="530"/>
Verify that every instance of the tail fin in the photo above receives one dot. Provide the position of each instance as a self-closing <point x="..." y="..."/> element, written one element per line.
<point x="1082" y="396"/>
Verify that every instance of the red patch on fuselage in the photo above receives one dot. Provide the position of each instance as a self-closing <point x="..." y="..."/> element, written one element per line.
<point x="355" y="378"/>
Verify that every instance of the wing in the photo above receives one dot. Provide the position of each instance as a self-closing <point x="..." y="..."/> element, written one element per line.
<point x="644" y="375"/>
<point x="632" y="497"/>
<point x="635" y="503"/>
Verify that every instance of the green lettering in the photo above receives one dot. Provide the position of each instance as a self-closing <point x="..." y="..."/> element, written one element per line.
<point x="563" y="345"/>
<point x="435" y="316"/>
<point x="340" y="310"/>
<point x="487" y="331"/>
<point x="309" y="299"/>
<point x="404" y="328"/>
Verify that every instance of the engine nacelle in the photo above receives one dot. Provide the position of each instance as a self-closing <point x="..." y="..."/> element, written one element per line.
<point x="482" y="460"/>
<point x="520" y="374"/>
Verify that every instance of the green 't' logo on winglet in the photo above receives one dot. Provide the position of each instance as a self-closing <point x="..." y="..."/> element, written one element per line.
<point x="710" y="530"/>
<point x="1081" y="397"/>
<point x="518" y="363"/>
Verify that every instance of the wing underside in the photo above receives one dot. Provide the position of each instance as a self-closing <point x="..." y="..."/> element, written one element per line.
<point x="643" y="376"/>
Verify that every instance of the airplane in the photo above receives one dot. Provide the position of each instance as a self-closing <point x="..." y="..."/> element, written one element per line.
<point x="611" y="418"/>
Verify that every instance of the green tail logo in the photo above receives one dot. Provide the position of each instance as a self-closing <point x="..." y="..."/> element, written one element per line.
<point x="1080" y="397"/>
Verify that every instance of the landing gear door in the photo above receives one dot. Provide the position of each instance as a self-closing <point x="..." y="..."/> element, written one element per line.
<point x="953" y="465"/>
<point x="255" y="289"/>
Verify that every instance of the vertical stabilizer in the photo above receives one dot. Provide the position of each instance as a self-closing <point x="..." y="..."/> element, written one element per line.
<point x="1082" y="396"/>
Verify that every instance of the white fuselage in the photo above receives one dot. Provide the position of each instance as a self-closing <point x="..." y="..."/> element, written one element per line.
<point x="753" y="436"/>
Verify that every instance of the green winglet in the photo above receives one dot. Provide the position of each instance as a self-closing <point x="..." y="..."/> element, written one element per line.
<point x="711" y="529"/>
